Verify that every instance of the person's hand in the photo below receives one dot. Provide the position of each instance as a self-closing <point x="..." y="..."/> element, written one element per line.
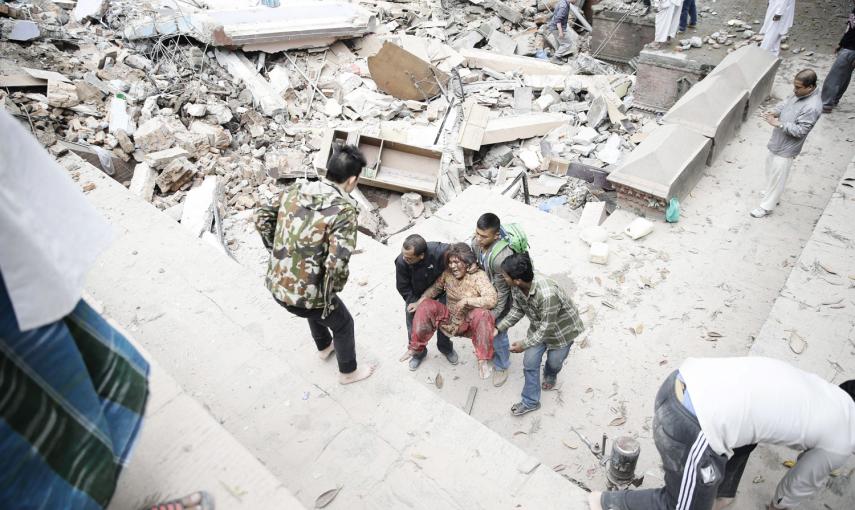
<point x="495" y="332"/>
<point x="517" y="347"/>
<point x="776" y="17"/>
<point x="412" y="306"/>
<point x="463" y="305"/>
<point x="771" y="119"/>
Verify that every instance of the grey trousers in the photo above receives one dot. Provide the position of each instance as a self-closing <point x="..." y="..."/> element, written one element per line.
<point x="838" y="78"/>
<point x="693" y="471"/>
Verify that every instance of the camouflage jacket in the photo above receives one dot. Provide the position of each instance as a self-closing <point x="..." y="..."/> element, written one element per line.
<point x="312" y="233"/>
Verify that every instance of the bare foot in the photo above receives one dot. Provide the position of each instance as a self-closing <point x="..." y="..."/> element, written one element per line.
<point x="594" y="500"/>
<point x="407" y="355"/>
<point x="484" y="368"/>
<point x="326" y="353"/>
<point x="197" y="501"/>
<point x="722" y="503"/>
<point x="359" y="374"/>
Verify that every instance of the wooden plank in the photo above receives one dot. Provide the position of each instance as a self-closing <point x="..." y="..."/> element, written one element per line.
<point x="470" y="399"/>
<point x="401" y="74"/>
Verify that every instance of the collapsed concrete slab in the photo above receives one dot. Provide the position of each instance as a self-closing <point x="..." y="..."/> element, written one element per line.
<point x="667" y="164"/>
<point x="402" y="74"/>
<point x="752" y="69"/>
<point x="714" y="108"/>
<point x="510" y="63"/>
<point x="521" y="127"/>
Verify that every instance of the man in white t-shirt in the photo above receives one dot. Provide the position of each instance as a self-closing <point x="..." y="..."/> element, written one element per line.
<point x="713" y="412"/>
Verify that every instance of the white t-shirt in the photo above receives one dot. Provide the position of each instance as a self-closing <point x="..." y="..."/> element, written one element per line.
<point x="749" y="400"/>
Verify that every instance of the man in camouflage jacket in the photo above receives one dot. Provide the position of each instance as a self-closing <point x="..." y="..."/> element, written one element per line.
<point x="312" y="233"/>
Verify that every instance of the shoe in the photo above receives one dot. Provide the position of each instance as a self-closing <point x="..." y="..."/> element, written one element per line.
<point x="693" y="26"/>
<point x="499" y="377"/>
<point x="759" y="212"/>
<point x="520" y="409"/>
<point x="415" y="362"/>
<point x="826" y="109"/>
<point x="681" y="30"/>
<point x="452" y="357"/>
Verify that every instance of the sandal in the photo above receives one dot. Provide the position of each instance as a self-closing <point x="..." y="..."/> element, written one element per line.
<point x="200" y="500"/>
<point x="548" y="383"/>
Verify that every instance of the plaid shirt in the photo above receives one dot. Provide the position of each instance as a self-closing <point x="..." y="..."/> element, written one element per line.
<point x="554" y="318"/>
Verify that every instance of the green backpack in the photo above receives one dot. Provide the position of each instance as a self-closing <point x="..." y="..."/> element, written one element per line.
<point x="515" y="238"/>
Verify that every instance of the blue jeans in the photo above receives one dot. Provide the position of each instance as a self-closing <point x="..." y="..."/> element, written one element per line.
<point x="501" y="351"/>
<point x="690" y="10"/>
<point x="531" y="369"/>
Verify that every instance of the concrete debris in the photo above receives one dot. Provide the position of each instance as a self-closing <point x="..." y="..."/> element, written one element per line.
<point x="158" y="113"/>
<point x="142" y="183"/>
<point x="198" y="213"/>
<point x="24" y="31"/>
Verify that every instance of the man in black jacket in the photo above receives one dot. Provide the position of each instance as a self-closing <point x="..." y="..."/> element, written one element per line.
<point x="416" y="268"/>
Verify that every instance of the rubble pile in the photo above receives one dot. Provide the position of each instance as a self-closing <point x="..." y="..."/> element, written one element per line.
<point x="449" y="95"/>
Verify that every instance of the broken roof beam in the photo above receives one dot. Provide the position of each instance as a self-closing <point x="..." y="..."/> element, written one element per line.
<point x="511" y="63"/>
<point x="520" y="127"/>
<point x="263" y="94"/>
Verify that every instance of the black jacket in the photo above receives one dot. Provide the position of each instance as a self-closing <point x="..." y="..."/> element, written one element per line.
<point x="413" y="281"/>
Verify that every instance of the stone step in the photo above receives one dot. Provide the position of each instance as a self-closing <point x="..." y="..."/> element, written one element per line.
<point x="387" y="442"/>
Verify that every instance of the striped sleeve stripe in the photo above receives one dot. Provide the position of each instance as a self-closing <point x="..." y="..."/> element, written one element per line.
<point x="690" y="472"/>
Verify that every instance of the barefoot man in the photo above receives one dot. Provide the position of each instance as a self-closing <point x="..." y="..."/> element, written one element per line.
<point x="312" y="232"/>
<point x="470" y="297"/>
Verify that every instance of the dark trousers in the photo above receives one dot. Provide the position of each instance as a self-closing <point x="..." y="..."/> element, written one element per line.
<point x="688" y="14"/>
<point x="340" y="323"/>
<point x="838" y="78"/>
<point x="443" y="343"/>
<point x="694" y="473"/>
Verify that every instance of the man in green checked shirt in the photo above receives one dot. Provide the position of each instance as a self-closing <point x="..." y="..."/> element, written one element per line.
<point x="554" y="320"/>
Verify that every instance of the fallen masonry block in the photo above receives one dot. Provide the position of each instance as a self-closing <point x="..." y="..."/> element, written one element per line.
<point x="160" y="159"/>
<point x="593" y="215"/>
<point x="142" y="183"/>
<point x="585" y="136"/>
<point x="714" y="108"/>
<point x="667" y="164"/>
<point x="752" y="69"/>
<point x="198" y="213"/>
<point x="402" y="74"/>
<point x="62" y="95"/>
<point x="217" y="136"/>
<point x="153" y="135"/>
<point x="176" y="174"/>
<point x="390" y="165"/>
<point x="520" y="127"/>
<point x="502" y="43"/>
<point x="89" y="9"/>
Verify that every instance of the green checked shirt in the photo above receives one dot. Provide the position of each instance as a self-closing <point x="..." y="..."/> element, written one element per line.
<point x="553" y="316"/>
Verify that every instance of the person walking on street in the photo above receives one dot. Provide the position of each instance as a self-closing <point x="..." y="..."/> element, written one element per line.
<point x="711" y="414"/>
<point x="777" y="24"/>
<point x="838" y="78"/>
<point x="792" y="119"/>
<point x="416" y="269"/>
<point x="554" y="325"/>
<point x="688" y="15"/>
<point x="312" y="234"/>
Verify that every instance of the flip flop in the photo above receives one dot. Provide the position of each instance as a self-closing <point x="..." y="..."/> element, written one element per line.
<point x="206" y="502"/>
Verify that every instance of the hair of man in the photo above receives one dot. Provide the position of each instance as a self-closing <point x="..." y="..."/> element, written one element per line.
<point x="849" y="387"/>
<point x="345" y="162"/>
<point x="462" y="252"/>
<point x="489" y="221"/>
<point x="807" y="77"/>
<point x="518" y="267"/>
<point x="416" y="243"/>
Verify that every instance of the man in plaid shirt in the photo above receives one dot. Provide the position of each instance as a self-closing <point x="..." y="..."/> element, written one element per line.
<point x="554" y="320"/>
